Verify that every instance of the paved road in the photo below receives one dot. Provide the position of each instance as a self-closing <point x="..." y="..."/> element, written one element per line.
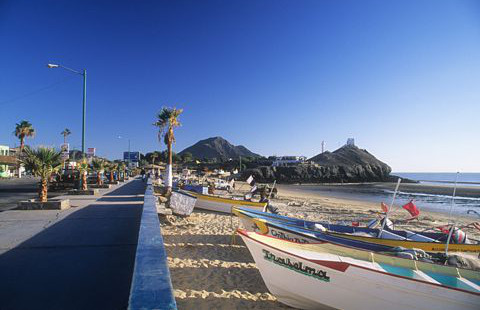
<point x="83" y="259"/>
<point x="14" y="190"/>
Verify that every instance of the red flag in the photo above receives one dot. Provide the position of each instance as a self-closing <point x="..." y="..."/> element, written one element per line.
<point x="444" y="229"/>
<point x="384" y="207"/>
<point x="412" y="209"/>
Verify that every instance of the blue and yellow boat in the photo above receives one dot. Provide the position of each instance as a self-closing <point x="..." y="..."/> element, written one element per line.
<point x="367" y="238"/>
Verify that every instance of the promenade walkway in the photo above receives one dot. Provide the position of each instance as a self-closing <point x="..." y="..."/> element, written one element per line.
<point x="80" y="258"/>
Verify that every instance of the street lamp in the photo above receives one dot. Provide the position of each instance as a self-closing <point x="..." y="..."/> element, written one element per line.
<point x="84" y="74"/>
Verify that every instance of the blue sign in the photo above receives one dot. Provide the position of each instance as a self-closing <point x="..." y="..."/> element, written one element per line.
<point x="134" y="157"/>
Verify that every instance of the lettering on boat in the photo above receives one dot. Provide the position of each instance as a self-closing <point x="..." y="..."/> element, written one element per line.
<point x="296" y="266"/>
<point x="284" y="236"/>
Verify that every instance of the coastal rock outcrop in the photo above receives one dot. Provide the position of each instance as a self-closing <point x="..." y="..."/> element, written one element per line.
<point x="347" y="164"/>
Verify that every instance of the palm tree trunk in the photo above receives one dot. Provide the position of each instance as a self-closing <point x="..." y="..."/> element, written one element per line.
<point x="169" y="168"/>
<point x="22" y="145"/>
<point x="84" y="181"/>
<point x="43" y="190"/>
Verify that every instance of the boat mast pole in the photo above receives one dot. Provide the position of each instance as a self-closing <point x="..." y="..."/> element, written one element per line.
<point x="450" y="215"/>
<point x="390" y="208"/>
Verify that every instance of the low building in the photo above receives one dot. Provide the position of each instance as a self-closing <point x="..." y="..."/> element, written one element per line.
<point x="7" y="162"/>
<point x="284" y="161"/>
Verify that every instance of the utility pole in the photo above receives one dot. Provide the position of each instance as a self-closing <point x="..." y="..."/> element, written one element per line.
<point x="84" y="105"/>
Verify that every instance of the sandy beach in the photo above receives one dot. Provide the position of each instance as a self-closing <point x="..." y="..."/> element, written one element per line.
<point x="210" y="272"/>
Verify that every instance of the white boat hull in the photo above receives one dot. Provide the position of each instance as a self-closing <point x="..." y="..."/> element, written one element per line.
<point x="224" y="205"/>
<point x="340" y="284"/>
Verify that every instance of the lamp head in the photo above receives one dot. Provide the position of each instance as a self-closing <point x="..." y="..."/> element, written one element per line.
<point x="52" y="66"/>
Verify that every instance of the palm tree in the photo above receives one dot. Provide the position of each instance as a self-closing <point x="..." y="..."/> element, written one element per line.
<point x="42" y="162"/>
<point x="112" y="167"/>
<point x="121" y="169"/>
<point x="23" y="130"/>
<point x="154" y="157"/>
<point x="167" y="120"/>
<point x="66" y="132"/>
<point x="83" y="168"/>
<point x="99" y="167"/>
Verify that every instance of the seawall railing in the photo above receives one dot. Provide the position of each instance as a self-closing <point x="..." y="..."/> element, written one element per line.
<point x="151" y="284"/>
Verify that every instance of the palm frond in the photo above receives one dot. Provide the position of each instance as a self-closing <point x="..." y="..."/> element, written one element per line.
<point x="83" y="165"/>
<point x="167" y="120"/>
<point x="42" y="162"/>
<point x="24" y="129"/>
<point x="98" y="164"/>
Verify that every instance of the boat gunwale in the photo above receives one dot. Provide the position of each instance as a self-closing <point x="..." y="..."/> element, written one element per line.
<point x="229" y="200"/>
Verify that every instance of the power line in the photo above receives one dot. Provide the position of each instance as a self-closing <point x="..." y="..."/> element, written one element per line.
<point x="34" y="92"/>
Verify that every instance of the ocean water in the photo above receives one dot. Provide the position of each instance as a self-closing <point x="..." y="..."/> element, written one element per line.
<point x="464" y="179"/>
<point x="429" y="202"/>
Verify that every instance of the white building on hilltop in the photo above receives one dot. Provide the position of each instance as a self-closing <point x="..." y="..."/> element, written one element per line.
<point x="284" y="161"/>
<point x="351" y="142"/>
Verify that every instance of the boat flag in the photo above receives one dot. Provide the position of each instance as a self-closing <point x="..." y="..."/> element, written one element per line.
<point x="444" y="229"/>
<point x="412" y="209"/>
<point x="251" y="182"/>
<point x="384" y="207"/>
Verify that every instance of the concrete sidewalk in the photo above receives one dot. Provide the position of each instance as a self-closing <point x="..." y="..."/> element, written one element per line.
<point x="80" y="258"/>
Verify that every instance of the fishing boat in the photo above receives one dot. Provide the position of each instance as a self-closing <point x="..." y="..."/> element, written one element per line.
<point x="182" y="203"/>
<point x="225" y="205"/>
<point x="308" y="231"/>
<point x="330" y="276"/>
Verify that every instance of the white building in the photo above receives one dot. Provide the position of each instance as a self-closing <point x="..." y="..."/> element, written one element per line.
<point x="284" y="161"/>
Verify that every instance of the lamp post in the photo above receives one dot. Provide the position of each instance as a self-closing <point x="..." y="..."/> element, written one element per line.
<point x="84" y="74"/>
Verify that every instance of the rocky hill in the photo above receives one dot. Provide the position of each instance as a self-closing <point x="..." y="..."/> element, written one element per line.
<point x="347" y="164"/>
<point x="217" y="147"/>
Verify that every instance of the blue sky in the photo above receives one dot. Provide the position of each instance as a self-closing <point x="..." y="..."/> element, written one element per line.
<point x="401" y="77"/>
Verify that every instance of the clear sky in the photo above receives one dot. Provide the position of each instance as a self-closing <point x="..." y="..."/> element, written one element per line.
<point x="401" y="77"/>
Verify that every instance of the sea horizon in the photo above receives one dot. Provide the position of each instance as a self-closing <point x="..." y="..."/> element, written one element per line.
<point x="467" y="178"/>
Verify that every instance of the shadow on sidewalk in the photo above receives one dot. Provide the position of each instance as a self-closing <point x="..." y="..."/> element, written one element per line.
<point x="84" y="261"/>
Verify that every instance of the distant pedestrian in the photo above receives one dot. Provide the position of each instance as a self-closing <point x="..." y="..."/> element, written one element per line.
<point x="143" y="174"/>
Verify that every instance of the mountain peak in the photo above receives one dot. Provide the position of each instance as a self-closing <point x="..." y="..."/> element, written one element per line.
<point x="217" y="147"/>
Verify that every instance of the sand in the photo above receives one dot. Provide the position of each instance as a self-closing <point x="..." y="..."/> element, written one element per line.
<point x="210" y="272"/>
<point x="207" y="270"/>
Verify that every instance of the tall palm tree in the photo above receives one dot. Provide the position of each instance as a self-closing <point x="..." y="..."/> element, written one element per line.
<point x="121" y="170"/>
<point x="23" y="130"/>
<point x="83" y="168"/>
<point x="112" y="167"/>
<point x="99" y="167"/>
<point x="42" y="162"/>
<point x="167" y="120"/>
<point x="66" y="132"/>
